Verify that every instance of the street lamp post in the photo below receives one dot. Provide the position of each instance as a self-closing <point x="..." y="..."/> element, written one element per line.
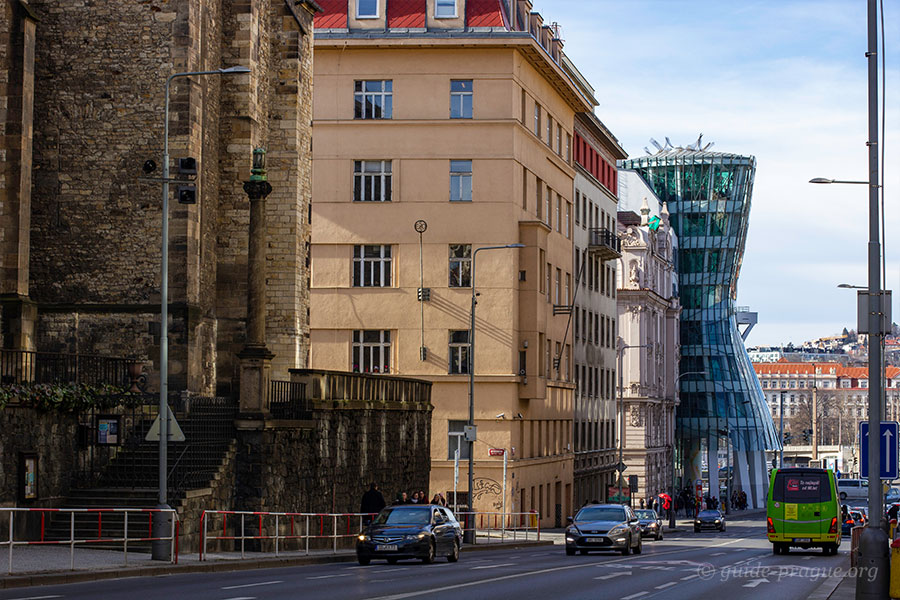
<point x="470" y="533"/>
<point x="161" y="526"/>
<point x="781" y="430"/>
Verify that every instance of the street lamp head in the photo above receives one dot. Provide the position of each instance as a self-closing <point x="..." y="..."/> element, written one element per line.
<point x="821" y="180"/>
<point x="515" y="246"/>
<point x="234" y="70"/>
<point x="848" y="286"/>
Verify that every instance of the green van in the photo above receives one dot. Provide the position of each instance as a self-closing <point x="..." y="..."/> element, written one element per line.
<point x="802" y="510"/>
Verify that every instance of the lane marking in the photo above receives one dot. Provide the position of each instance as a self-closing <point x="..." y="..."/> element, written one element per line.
<point x="666" y="585"/>
<point x="717" y="554"/>
<point x="611" y="575"/>
<point x="331" y="576"/>
<point x="494" y="566"/>
<point x="246" y="585"/>
<point x="689" y="577"/>
<point x="391" y="570"/>
<point x="242" y="598"/>
<point x="638" y="595"/>
<point x="37" y="598"/>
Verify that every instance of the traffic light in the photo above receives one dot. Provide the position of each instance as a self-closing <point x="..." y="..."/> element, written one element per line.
<point x="424" y="294"/>
<point x="187" y="194"/>
<point x="788" y="437"/>
<point x="807" y="435"/>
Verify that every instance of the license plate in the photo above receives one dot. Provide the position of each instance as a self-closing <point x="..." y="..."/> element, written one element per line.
<point x="594" y="540"/>
<point x="803" y="540"/>
<point x="386" y="548"/>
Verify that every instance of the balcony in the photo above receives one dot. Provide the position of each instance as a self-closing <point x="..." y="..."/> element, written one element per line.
<point x="23" y="366"/>
<point x="605" y="243"/>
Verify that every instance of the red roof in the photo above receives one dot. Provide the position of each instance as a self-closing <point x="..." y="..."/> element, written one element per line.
<point x="406" y="13"/>
<point x="484" y="13"/>
<point x="333" y="15"/>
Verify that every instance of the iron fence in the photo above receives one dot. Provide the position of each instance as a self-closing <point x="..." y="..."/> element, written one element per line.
<point x="24" y="366"/>
<point x="287" y="400"/>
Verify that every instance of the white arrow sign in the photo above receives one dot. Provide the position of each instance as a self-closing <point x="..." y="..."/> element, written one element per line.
<point x="887" y="448"/>
<point x="756" y="582"/>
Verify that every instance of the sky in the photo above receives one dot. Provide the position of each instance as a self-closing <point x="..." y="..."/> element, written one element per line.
<point x="784" y="81"/>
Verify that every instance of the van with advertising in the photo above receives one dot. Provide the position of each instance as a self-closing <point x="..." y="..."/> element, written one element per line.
<point x="802" y="510"/>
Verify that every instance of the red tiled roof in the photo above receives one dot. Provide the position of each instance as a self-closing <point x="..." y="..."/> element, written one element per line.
<point x="406" y="13"/>
<point x="333" y="15"/>
<point x="789" y="368"/>
<point x="484" y="13"/>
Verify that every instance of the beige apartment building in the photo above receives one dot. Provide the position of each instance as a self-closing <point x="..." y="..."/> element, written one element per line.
<point x="459" y="115"/>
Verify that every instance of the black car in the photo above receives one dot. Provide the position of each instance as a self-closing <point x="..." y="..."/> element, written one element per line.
<point x="604" y="527"/>
<point x="421" y="531"/>
<point x="651" y="524"/>
<point x="709" y="519"/>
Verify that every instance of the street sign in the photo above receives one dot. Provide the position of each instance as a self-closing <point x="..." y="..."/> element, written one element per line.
<point x="621" y="467"/>
<point x="496" y="452"/>
<point x="887" y="453"/>
<point x="173" y="431"/>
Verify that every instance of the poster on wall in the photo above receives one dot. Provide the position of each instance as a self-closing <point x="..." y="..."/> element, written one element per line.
<point x="28" y="476"/>
<point x="108" y="430"/>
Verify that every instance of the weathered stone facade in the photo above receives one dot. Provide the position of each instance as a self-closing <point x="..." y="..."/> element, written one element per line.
<point x="81" y="232"/>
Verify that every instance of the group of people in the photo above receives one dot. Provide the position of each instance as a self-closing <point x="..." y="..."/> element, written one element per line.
<point x="739" y="499"/>
<point x="373" y="501"/>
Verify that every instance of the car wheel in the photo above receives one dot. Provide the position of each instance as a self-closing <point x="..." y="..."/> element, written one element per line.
<point x="659" y="536"/>
<point x="583" y="552"/>
<point x="454" y="555"/>
<point x="364" y="560"/>
<point x="785" y="549"/>
<point x="640" y="546"/>
<point x="696" y="530"/>
<point x="722" y="529"/>
<point x="627" y="549"/>
<point x="429" y="558"/>
<point x="570" y="551"/>
<point x="776" y="548"/>
<point x="843" y="496"/>
<point x="392" y="561"/>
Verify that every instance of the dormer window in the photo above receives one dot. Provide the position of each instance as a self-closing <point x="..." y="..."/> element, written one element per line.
<point x="445" y="9"/>
<point x="366" y="9"/>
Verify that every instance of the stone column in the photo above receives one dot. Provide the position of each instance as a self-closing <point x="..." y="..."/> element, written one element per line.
<point x="255" y="358"/>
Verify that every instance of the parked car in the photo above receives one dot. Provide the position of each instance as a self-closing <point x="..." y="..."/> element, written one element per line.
<point x="854" y="518"/>
<point x="411" y="531"/>
<point x="709" y="519"/>
<point x="852" y="489"/>
<point x="892" y="496"/>
<point x="651" y="524"/>
<point x="604" y="527"/>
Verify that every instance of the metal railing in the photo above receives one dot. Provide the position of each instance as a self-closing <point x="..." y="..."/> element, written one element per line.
<point x="287" y="400"/>
<point x="24" y="366"/>
<point x="605" y="239"/>
<point x="11" y="541"/>
<point x="278" y="527"/>
<point x="501" y="527"/>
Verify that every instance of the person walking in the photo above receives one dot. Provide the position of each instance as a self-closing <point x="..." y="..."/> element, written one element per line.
<point x="372" y="503"/>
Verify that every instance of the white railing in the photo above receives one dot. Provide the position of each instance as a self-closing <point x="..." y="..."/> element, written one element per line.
<point x="11" y="542"/>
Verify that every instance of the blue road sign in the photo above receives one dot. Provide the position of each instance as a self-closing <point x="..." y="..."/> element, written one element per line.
<point x="887" y="453"/>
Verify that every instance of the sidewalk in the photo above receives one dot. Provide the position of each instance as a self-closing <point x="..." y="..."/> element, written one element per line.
<point x="49" y="565"/>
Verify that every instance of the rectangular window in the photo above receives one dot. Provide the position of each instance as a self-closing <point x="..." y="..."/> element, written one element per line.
<point x="549" y="138"/>
<point x="372" y="181"/>
<point x="366" y="9"/>
<point x="455" y="440"/>
<point x="577" y="207"/>
<point x="524" y="104"/>
<point x="549" y="276"/>
<point x="559" y="139"/>
<point x="445" y="9"/>
<point x="568" y="288"/>
<point x="537" y="119"/>
<point x="548" y="206"/>
<point x="568" y="220"/>
<point x="568" y="148"/>
<point x="524" y="188"/>
<point x="558" y="212"/>
<point x="460" y="96"/>
<point x="371" y="266"/>
<point x="374" y="99"/>
<point x="539" y="193"/>
<point x="460" y="265"/>
<point x="556" y="295"/>
<point x="371" y="351"/>
<point x="459" y="352"/>
<point x="460" y="181"/>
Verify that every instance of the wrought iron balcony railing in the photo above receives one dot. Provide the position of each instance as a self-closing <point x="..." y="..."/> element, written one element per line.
<point x="605" y="243"/>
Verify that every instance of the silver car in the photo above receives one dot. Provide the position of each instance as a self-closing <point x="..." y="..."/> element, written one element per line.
<point x="604" y="527"/>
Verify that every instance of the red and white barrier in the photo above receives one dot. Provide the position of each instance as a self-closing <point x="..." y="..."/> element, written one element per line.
<point x="12" y="542"/>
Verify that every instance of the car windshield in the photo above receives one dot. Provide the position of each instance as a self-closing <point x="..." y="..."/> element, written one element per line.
<point x="601" y="513"/>
<point x="709" y="513"/>
<point x="645" y="514"/>
<point x="404" y="515"/>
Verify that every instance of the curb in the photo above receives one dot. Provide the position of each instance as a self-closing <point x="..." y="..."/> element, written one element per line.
<point x="59" y="578"/>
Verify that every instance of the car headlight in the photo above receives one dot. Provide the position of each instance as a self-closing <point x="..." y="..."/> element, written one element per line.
<point x="415" y="536"/>
<point x="573" y="531"/>
<point x="363" y="537"/>
<point x="697" y="522"/>
<point x="718" y="521"/>
<point x="617" y="530"/>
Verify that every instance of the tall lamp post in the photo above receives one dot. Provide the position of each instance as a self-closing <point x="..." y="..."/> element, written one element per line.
<point x="161" y="526"/>
<point x="471" y="442"/>
<point x="874" y="563"/>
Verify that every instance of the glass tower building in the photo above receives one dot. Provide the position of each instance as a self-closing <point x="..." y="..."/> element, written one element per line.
<point x="708" y="197"/>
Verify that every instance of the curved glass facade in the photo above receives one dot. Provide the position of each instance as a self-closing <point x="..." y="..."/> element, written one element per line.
<point x="708" y="196"/>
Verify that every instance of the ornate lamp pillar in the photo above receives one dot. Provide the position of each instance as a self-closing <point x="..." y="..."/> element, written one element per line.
<point x="256" y="359"/>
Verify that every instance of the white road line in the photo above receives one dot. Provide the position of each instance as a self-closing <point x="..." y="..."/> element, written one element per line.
<point x="331" y="576"/>
<point x="611" y="575"/>
<point x="717" y="554"/>
<point x="241" y="598"/>
<point x="689" y="577"/>
<point x="246" y="585"/>
<point x="494" y="566"/>
<point x="666" y="585"/>
<point x="638" y="595"/>
<point x="391" y="570"/>
<point x="37" y="598"/>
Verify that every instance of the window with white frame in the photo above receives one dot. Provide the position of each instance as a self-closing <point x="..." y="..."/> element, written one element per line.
<point x="371" y="351"/>
<point x="460" y="265"/>
<point x="374" y="99"/>
<point x="366" y="9"/>
<point x="568" y="219"/>
<point x="445" y="9"/>
<point x="461" y="99"/>
<point x="460" y="181"/>
<point x="537" y="119"/>
<point x="548" y="202"/>
<point x="458" y="352"/>
<point x="371" y="266"/>
<point x="372" y="181"/>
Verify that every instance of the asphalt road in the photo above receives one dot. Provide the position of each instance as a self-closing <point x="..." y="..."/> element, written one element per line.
<point x="733" y="565"/>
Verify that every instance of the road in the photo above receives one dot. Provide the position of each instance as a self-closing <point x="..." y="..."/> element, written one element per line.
<point x="735" y="565"/>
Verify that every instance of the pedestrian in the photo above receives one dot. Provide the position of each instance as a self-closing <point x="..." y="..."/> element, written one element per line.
<point x="372" y="503"/>
<point x="402" y="498"/>
<point x="642" y="503"/>
<point x="436" y="499"/>
<point x="415" y="498"/>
